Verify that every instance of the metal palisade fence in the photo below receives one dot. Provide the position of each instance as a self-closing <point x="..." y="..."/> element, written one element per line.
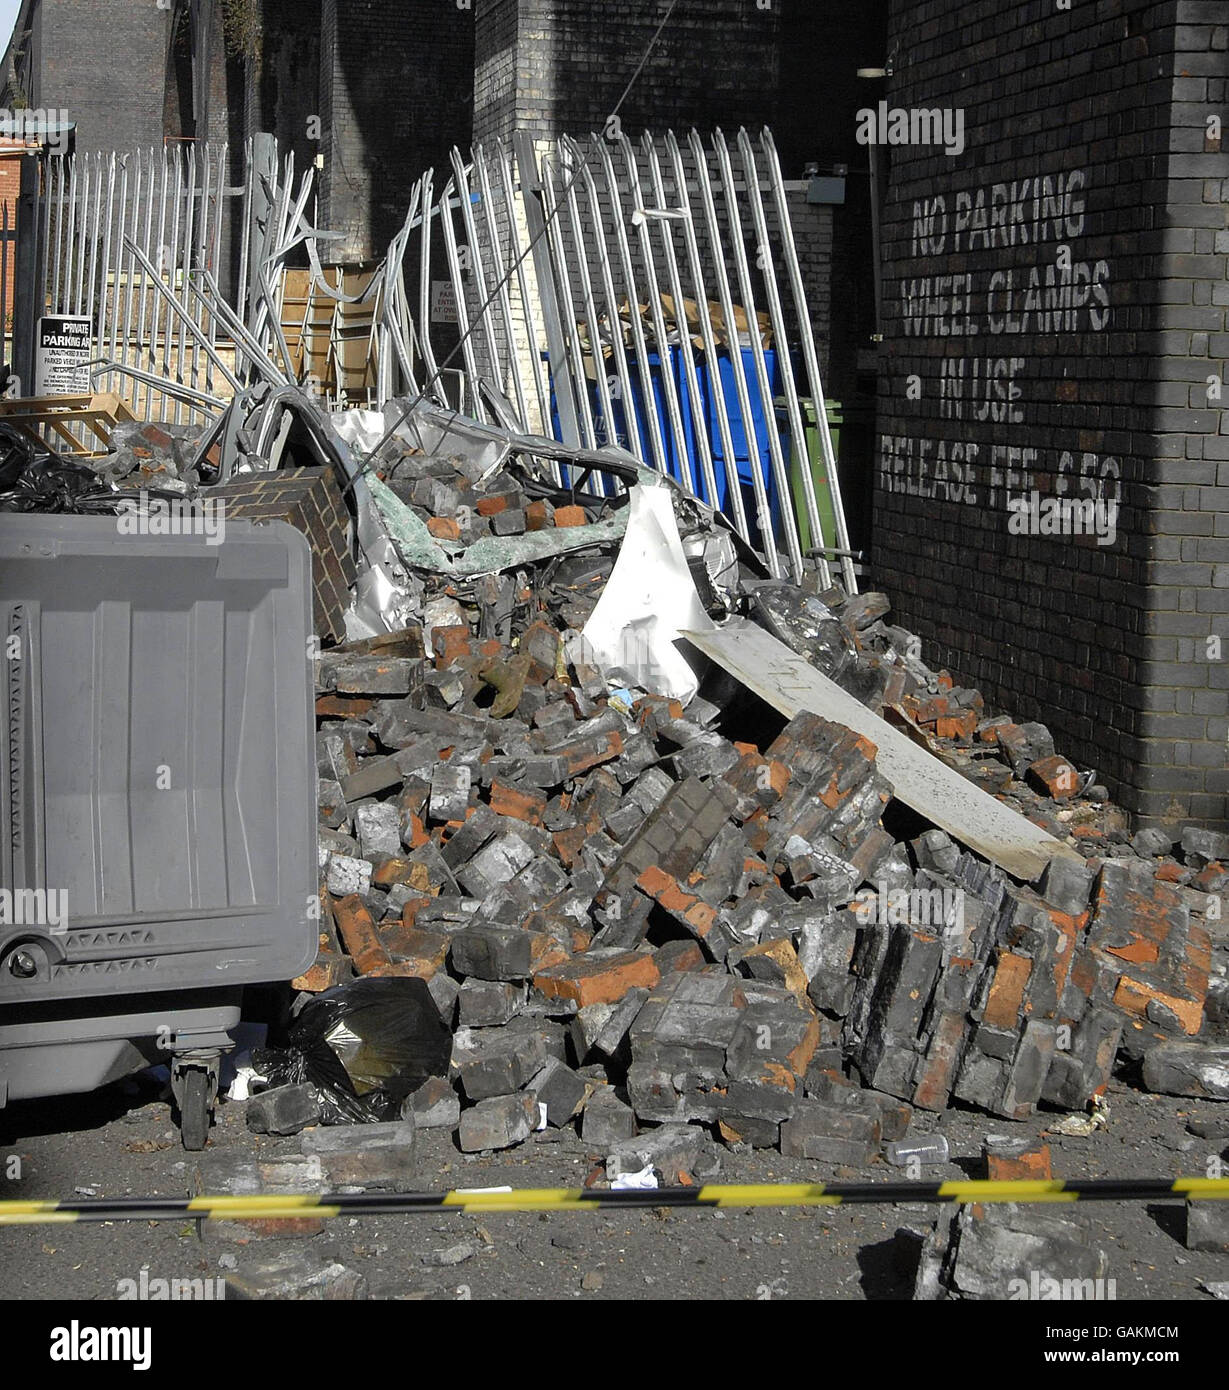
<point x="601" y="291"/>
<point x="122" y="237"/>
<point x="648" y="295"/>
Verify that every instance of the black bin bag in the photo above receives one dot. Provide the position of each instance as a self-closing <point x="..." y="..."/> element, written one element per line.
<point x="364" y="1046"/>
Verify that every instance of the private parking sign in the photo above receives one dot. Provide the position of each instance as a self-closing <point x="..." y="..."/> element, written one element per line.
<point x="64" y="346"/>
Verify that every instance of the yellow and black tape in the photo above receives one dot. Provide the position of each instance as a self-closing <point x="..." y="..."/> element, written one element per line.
<point x="267" y="1206"/>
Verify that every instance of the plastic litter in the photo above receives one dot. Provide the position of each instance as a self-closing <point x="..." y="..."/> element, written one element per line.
<point x="33" y="479"/>
<point x="363" y="1047"/>
<point x="902" y="1153"/>
<point x="644" y="1180"/>
<point x="1081" y="1126"/>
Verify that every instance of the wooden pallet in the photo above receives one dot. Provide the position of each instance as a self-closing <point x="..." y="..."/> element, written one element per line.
<point x="80" y="425"/>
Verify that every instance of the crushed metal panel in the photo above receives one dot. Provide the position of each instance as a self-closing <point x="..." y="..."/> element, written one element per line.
<point x="790" y="684"/>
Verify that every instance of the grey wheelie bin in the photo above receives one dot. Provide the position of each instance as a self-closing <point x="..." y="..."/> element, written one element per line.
<point x="157" y="797"/>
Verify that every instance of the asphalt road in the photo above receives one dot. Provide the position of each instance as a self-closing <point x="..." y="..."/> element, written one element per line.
<point x="121" y="1141"/>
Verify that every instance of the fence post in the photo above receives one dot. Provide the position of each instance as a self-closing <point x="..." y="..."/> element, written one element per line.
<point x="259" y="230"/>
<point x="25" y="275"/>
<point x="556" y="342"/>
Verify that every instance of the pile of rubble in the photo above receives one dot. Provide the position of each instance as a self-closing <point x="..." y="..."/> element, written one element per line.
<point x="674" y="920"/>
<point x="666" y="923"/>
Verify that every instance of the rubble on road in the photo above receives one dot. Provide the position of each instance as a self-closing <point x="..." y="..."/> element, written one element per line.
<point x="1011" y="1252"/>
<point x="654" y="918"/>
<point x="296" y="1277"/>
<point x="640" y="902"/>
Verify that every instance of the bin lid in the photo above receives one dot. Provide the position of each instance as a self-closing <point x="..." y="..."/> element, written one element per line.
<point x="159" y="770"/>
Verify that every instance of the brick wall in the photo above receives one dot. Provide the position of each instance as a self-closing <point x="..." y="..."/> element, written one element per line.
<point x="10" y="188"/>
<point x="396" y="93"/>
<point x="496" y="60"/>
<point x="84" y="47"/>
<point x="1055" y="298"/>
<point x="715" y="64"/>
<point x="283" y="78"/>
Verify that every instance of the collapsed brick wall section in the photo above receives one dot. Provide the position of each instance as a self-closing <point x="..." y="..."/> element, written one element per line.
<point x="310" y="501"/>
<point x="396" y="93"/>
<point x="1054" y="305"/>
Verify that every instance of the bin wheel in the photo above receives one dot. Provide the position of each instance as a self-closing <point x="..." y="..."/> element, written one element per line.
<point x="194" y="1107"/>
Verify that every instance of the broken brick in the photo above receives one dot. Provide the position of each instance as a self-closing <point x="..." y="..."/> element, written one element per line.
<point x="596" y="979"/>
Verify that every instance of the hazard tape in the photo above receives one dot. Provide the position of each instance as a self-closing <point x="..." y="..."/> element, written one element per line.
<point x="273" y="1207"/>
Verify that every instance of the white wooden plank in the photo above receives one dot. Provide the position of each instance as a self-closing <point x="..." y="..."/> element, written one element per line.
<point x="789" y="684"/>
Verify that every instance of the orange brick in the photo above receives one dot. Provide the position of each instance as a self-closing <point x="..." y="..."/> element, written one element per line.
<point x="664" y="889"/>
<point x="450" y="644"/>
<point x="444" y="528"/>
<point x="390" y="871"/>
<point x="343" y="706"/>
<point x="329" y="970"/>
<point x="1132" y="997"/>
<point x="412" y="908"/>
<point x="579" y="760"/>
<point x="545" y="952"/>
<point x="1034" y="1163"/>
<point x="686" y="955"/>
<point x="358" y="934"/>
<point x="412" y="967"/>
<point x="1070" y="927"/>
<point x="535" y="516"/>
<point x="603" y="981"/>
<point x="404" y="970"/>
<point x="569" y="844"/>
<point x="570" y="516"/>
<point x="408" y="941"/>
<point x="1054" y="776"/>
<point x="1007" y="991"/>
<point x="1138" y="952"/>
<point x="492" y="506"/>
<point x="508" y="800"/>
<point x="960" y="726"/>
<point x="757" y="828"/>
<point x="937" y="1071"/>
<point x="800" y="1058"/>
